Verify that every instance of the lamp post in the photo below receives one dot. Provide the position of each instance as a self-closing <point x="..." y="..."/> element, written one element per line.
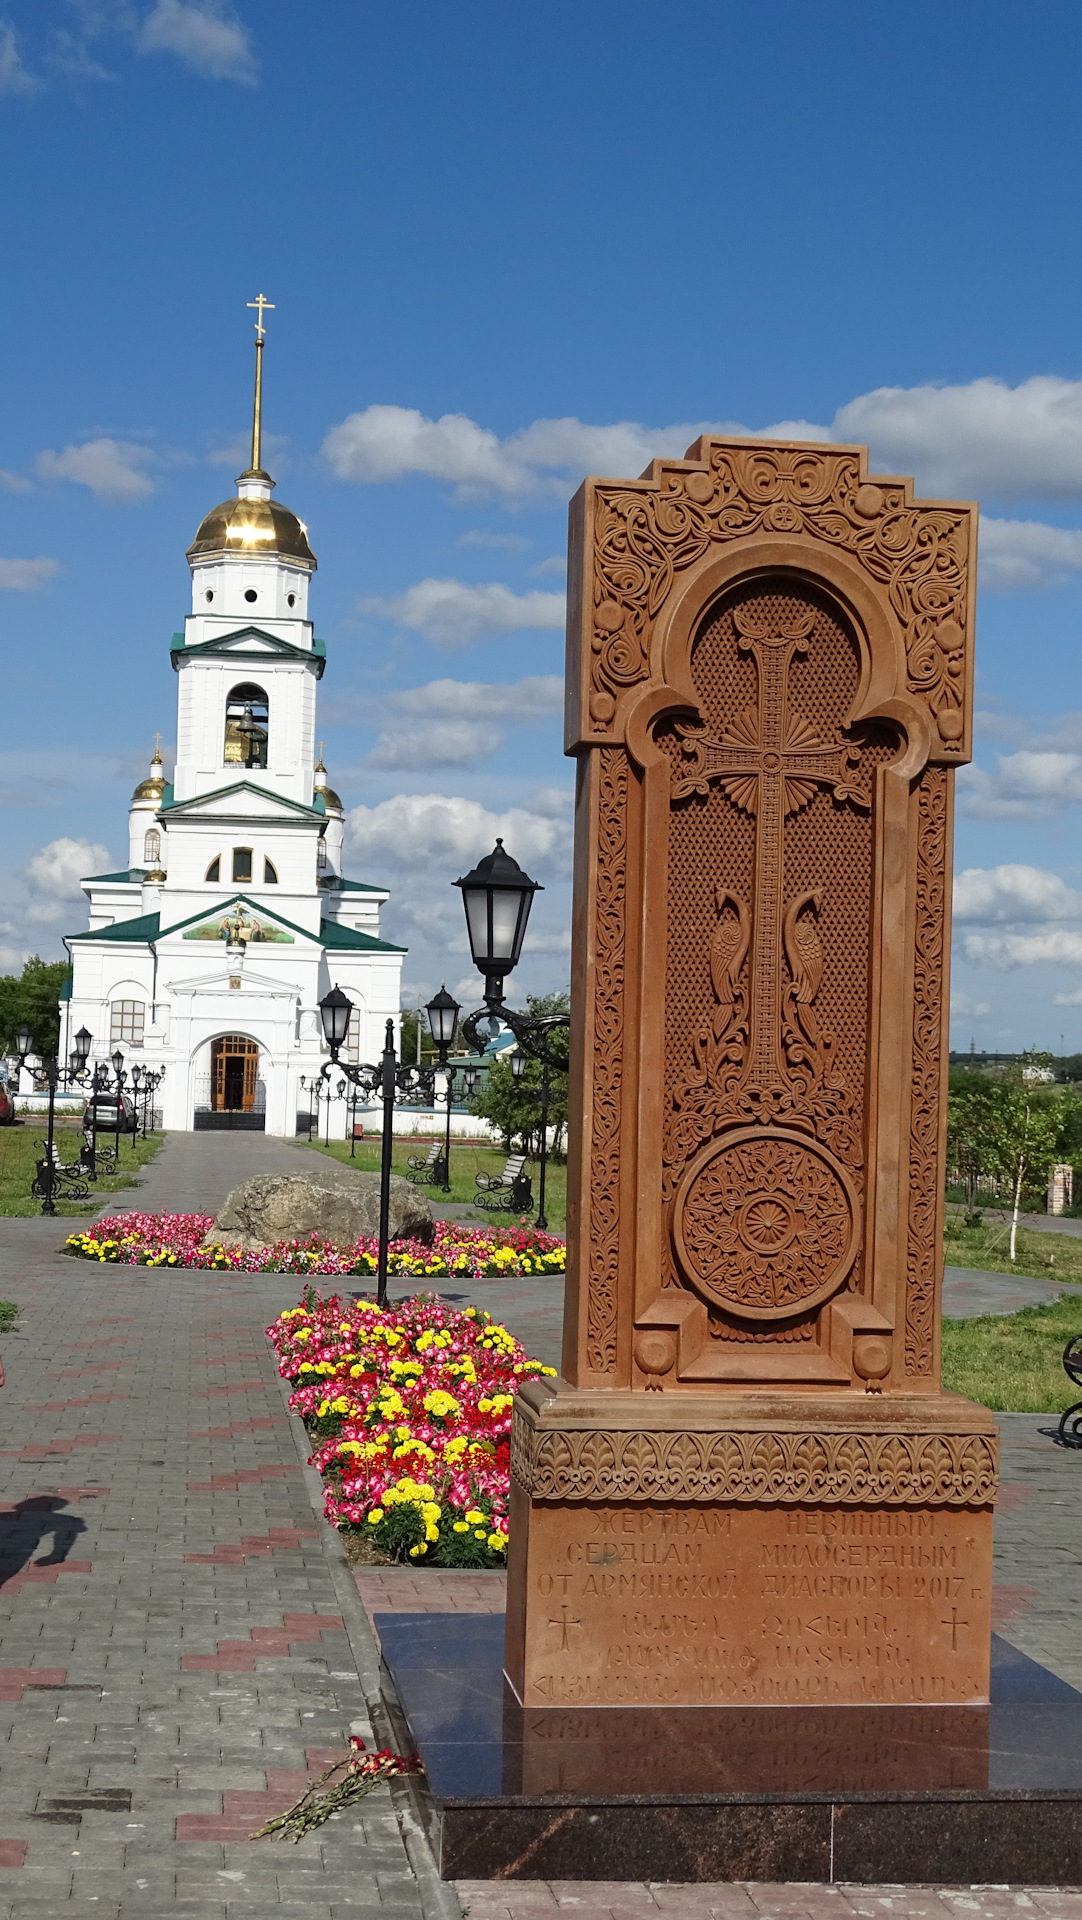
<point x="78" y="1072"/>
<point x="518" y="1068"/>
<point x="389" y="1078"/>
<point x="121" y="1076"/>
<point x="443" y="1012"/>
<point x="50" y="1066"/>
<point x="497" y="896"/>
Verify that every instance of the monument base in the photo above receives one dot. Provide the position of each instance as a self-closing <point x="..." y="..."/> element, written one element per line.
<point x="867" y="1794"/>
<point x="723" y="1554"/>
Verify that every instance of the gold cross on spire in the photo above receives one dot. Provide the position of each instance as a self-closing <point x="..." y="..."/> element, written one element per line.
<point x="157" y="743"/>
<point x="263" y="305"/>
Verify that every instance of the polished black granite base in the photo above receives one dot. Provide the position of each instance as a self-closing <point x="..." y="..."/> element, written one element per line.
<point x="877" y="1793"/>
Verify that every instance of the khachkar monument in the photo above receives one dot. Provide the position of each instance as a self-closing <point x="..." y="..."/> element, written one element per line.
<point x="748" y="1485"/>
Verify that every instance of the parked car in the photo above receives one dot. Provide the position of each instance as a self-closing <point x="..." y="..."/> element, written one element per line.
<point x="106" y="1113"/>
<point x="7" y="1105"/>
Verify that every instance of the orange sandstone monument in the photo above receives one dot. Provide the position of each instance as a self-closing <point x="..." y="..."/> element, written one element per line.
<point x="748" y="1486"/>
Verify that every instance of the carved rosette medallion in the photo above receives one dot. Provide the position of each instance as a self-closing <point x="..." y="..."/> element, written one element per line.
<point x="766" y="1224"/>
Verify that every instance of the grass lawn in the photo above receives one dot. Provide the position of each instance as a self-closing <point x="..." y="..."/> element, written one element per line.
<point x="1045" y="1255"/>
<point x="466" y="1161"/>
<point x="22" y="1146"/>
<point x="1013" y="1361"/>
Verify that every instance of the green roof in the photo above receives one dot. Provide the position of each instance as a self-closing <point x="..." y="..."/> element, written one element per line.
<point x="332" y="935"/>
<point x="65" y="989"/>
<point x="141" y="932"/>
<point x="334" y="883"/>
<point x="133" y="875"/>
<point x="317" y="651"/>
<point x="235" y="786"/>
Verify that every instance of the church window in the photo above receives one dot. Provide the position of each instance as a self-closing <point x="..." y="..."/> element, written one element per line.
<point x="210" y="594"/>
<point x="353" y="1037"/>
<point x="270" y="874"/>
<point x="247" y="728"/>
<point x="214" y="871"/>
<point x="251" y="594"/>
<point x="126" y="1022"/>
<point x="321" y="855"/>
<point x="242" y="863"/>
<point x="152" y="847"/>
<point x="291" y="599"/>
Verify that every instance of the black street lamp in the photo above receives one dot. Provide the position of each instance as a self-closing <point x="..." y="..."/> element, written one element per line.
<point x="443" y="1011"/>
<point x="78" y="1073"/>
<point x="388" y="1079"/>
<point x="121" y="1076"/>
<point x="497" y="896"/>
<point x="45" y="1181"/>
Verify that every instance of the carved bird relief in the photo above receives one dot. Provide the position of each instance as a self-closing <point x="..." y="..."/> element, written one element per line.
<point x="728" y="949"/>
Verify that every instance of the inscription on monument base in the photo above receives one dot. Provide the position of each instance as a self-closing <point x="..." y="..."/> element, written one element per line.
<point x="707" y="1606"/>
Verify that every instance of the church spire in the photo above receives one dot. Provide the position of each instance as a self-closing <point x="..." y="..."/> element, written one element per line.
<point x="255" y="471"/>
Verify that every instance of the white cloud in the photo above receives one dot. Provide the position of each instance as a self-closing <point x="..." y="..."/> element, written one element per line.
<point x="989" y="895"/>
<point x="1061" y="945"/>
<point x="549" y="456"/>
<point x="455" y="723"/>
<point x="112" y="469"/>
<point x="206" y="37"/>
<point x="431" y="832"/>
<point x="963" y="1006"/>
<point x="25" y="576"/>
<point x="1073" y="999"/>
<point x="53" y="875"/>
<point x="14" y="77"/>
<point x="983" y="438"/>
<point x="15" y="482"/>
<point x="1021" y="442"/>
<point x="557" y="563"/>
<point x="1027" y="785"/>
<point x="1026" y="553"/>
<point x="451" y="613"/>
<point x="236" y="452"/>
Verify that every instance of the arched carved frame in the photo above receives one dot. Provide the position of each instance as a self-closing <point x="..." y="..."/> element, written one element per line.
<point x="671" y="691"/>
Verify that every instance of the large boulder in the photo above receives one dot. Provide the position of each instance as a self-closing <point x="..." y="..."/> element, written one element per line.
<point x="331" y="1201"/>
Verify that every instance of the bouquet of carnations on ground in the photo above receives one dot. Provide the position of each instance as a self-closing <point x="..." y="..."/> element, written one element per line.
<point x="364" y="1773"/>
<point x="410" y="1411"/>
<point x="177" y="1240"/>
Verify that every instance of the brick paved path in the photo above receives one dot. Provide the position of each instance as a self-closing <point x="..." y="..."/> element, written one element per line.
<point x="172" y="1655"/>
<point x="173" y="1664"/>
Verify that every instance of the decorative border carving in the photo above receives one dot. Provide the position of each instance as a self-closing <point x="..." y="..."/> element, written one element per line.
<point x="607" y="1079"/>
<point x="919" y="553"/>
<point x="922" y="1249"/>
<point x="846" y="1468"/>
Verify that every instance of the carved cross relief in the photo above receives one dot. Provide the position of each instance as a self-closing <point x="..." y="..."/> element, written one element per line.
<point x="766" y="1218"/>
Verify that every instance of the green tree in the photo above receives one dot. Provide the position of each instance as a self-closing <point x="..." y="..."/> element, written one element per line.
<point x="509" y="1106"/>
<point x="1026" y="1123"/>
<point x="32" y="997"/>
<point x="971" y="1132"/>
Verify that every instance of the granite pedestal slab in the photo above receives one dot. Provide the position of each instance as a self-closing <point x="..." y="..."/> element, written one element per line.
<point x="873" y="1793"/>
<point x="727" y="1553"/>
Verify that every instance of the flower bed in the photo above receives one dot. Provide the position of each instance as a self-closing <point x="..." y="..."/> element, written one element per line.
<point x="409" y="1409"/>
<point x="465" y="1253"/>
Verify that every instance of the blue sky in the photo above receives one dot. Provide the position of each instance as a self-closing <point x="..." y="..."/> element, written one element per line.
<point x="508" y="246"/>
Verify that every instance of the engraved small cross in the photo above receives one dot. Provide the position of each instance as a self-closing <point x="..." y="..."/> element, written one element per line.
<point x="954" y="1623"/>
<point x="563" y="1623"/>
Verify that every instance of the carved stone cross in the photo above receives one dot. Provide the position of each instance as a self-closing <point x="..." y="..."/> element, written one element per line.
<point x="770" y="763"/>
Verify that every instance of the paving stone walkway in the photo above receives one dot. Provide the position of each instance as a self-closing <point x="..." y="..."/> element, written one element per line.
<point x="181" y="1647"/>
<point x="174" y="1660"/>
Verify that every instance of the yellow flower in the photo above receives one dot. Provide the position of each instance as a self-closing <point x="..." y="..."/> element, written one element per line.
<point x="498" y="1542"/>
<point x="461" y="1527"/>
<point x="479" y="1533"/>
<point x="474" y="1516"/>
<point x="377" y="1514"/>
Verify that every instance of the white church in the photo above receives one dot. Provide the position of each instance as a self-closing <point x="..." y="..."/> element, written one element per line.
<point x="208" y="954"/>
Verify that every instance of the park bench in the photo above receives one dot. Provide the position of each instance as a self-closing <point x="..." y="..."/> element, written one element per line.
<point x="427" y="1169"/>
<point x="508" y="1192"/>
<point x="1070" y="1426"/>
<point x="69" y="1181"/>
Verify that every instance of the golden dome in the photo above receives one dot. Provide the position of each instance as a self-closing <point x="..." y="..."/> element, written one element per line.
<point x="253" y="527"/>
<point x="330" y="799"/>
<point x="148" y="790"/>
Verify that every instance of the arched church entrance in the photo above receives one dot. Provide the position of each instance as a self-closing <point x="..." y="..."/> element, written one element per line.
<point x="237" y="1094"/>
